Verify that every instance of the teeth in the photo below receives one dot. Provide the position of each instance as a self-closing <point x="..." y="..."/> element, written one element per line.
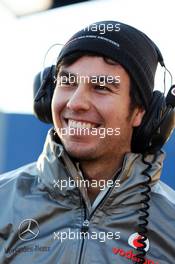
<point x="80" y="125"/>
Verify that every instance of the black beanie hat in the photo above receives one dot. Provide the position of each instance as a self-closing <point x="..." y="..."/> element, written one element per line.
<point x="124" y="44"/>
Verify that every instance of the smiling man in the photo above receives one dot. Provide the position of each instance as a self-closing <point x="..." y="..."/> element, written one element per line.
<point x="94" y="195"/>
<point x="91" y="105"/>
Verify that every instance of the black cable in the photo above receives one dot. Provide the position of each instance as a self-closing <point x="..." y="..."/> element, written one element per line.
<point x="143" y="211"/>
<point x="45" y="57"/>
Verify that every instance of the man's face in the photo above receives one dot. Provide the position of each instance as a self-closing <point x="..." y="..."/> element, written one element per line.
<point x="95" y="106"/>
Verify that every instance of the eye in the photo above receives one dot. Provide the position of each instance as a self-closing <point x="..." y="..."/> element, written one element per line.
<point x="102" y="88"/>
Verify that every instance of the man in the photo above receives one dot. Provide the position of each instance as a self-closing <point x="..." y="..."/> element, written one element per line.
<point x="94" y="195"/>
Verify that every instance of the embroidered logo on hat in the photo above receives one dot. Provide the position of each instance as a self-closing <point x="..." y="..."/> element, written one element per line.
<point x="134" y="242"/>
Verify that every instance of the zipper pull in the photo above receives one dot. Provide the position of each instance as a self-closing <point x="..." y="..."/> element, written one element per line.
<point x="85" y="226"/>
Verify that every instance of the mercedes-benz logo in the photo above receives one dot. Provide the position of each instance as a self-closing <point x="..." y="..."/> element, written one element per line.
<point x="28" y="229"/>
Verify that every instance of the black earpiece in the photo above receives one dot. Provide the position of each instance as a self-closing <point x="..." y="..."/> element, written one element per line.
<point x="157" y="124"/>
<point x="170" y="101"/>
<point x="43" y="93"/>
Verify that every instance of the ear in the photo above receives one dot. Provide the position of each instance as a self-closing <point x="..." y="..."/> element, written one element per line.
<point x="138" y="116"/>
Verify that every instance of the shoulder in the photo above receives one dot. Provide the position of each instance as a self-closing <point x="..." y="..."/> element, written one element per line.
<point x="164" y="192"/>
<point x="15" y="188"/>
<point x="17" y="178"/>
<point x="162" y="204"/>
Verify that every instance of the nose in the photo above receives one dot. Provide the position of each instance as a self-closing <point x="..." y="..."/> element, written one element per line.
<point x="79" y="99"/>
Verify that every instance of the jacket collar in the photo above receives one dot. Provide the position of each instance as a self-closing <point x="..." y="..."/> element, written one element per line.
<point x="54" y="164"/>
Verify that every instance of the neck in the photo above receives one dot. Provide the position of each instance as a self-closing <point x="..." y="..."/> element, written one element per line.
<point x="97" y="170"/>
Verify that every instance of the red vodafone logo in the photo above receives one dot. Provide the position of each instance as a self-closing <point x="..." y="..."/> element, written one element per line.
<point x="134" y="242"/>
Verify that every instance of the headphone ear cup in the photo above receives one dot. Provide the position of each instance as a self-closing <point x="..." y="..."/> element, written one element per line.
<point x="43" y="92"/>
<point x="165" y="129"/>
<point x="146" y="137"/>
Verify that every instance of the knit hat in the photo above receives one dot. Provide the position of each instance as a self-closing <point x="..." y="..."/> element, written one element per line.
<point x="128" y="46"/>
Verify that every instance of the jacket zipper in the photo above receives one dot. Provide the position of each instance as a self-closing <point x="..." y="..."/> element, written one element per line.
<point x="85" y="226"/>
<point x="86" y="222"/>
<point x="84" y="230"/>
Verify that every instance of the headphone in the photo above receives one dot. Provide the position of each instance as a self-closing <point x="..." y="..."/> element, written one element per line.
<point x="157" y="124"/>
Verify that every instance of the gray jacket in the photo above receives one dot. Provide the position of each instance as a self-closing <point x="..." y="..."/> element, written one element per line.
<point x="43" y="219"/>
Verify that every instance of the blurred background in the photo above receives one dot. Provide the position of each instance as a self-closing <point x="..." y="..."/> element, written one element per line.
<point x="29" y="28"/>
